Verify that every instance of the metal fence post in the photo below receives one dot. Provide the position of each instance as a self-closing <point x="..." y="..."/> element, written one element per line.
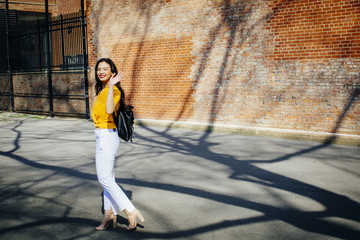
<point x="8" y="56"/>
<point x="49" y="73"/>
<point x="39" y="44"/>
<point x="85" y="59"/>
<point x="62" y="41"/>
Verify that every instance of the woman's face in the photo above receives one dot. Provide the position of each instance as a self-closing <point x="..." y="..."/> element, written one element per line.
<point x="104" y="71"/>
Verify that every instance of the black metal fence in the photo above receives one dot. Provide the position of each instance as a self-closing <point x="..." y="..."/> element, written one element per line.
<point x="27" y="43"/>
<point x="45" y="45"/>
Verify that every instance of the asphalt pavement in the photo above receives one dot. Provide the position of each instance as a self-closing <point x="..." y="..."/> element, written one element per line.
<point x="187" y="184"/>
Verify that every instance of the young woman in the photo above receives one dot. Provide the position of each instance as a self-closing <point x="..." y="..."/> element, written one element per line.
<point x="108" y="97"/>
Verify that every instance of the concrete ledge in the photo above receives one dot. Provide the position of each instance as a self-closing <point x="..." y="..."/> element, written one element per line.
<point x="328" y="138"/>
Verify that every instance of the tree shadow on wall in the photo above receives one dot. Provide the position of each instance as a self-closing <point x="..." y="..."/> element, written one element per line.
<point x="146" y="9"/>
<point x="233" y="22"/>
<point x="351" y="102"/>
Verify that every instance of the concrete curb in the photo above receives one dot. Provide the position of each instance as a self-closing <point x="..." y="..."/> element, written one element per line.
<point x="329" y="138"/>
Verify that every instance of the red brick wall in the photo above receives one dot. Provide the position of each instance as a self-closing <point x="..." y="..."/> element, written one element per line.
<point x="279" y="64"/>
<point x="315" y="29"/>
<point x="68" y="6"/>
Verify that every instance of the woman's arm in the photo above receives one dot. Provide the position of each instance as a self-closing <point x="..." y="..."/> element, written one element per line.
<point x="110" y="104"/>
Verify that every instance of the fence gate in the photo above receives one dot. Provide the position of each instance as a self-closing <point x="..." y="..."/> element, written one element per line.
<point x="43" y="69"/>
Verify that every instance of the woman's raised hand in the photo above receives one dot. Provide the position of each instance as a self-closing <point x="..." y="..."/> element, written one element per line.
<point x="114" y="79"/>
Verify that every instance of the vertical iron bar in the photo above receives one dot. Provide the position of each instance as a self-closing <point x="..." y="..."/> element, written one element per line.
<point x="85" y="59"/>
<point x="50" y="94"/>
<point x="8" y="55"/>
<point x="18" y="65"/>
<point x="62" y="41"/>
<point x="39" y="37"/>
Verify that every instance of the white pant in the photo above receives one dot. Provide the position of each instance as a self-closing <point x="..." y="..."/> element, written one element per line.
<point x="107" y="144"/>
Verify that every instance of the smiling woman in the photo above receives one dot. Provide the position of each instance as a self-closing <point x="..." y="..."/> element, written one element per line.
<point x="104" y="72"/>
<point x="109" y="94"/>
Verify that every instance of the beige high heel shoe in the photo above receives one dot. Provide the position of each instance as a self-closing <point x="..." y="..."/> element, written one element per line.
<point x="107" y="218"/>
<point x="132" y="219"/>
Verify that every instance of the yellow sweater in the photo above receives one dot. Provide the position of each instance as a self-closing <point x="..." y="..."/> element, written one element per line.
<point x="99" y="115"/>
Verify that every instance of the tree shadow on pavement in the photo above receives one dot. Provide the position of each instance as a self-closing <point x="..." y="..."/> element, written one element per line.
<point x="335" y="205"/>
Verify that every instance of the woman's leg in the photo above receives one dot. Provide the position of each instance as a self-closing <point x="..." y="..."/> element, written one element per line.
<point x="108" y="203"/>
<point x="107" y="143"/>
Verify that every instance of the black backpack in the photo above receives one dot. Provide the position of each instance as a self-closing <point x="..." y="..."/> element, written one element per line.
<point x="124" y="121"/>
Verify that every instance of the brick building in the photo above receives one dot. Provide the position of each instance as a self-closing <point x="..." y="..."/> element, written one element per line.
<point x="277" y="64"/>
<point x="251" y="65"/>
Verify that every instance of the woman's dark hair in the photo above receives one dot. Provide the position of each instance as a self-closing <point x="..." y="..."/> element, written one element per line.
<point x="99" y="83"/>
